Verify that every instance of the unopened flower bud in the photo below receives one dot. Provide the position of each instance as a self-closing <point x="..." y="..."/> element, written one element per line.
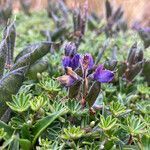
<point x="70" y="49"/>
<point x="92" y="124"/>
<point x="39" y="76"/>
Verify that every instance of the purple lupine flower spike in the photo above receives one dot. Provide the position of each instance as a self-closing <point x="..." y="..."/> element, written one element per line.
<point x="70" y="49"/>
<point x="87" y="62"/>
<point x="71" y="62"/>
<point x="66" y="61"/>
<point x="75" y="61"/>
<point x="102" y="75"/>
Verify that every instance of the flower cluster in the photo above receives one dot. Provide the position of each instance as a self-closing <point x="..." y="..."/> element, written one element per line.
<point x="72" y="61"/>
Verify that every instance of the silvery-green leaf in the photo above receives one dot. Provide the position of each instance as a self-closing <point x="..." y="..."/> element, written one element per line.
<point x="122" y="66"/>
<point x="9" y="85"/>
<point x="131" y="55"/>
<point x="93" y="93"/>
<point x="3" y="52"/>
<point x="108" y="9"/>
<point x="74" y="90"/>
<point x="10" y="36"/>
<point x="6" y="11"/>
<point x="130" y="73"/>
<point x="58" y="33"/>
<point x="37" y="52"/>
<point x="146" y="71"/>
<point x="110" y="65"/>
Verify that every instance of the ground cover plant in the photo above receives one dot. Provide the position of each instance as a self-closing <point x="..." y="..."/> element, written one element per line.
<point x="73" y="80"/>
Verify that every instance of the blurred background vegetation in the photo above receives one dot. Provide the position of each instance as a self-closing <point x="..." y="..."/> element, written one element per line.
<point x="135" y="10"/>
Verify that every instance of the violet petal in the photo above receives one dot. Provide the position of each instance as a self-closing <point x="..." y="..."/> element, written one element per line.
<point x="102" y="75"/>
<point x="66" y="61"/>
<point x="87" y="61"/>
<point x="75" y="61"/>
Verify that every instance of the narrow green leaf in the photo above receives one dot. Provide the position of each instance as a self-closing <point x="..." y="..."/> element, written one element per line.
<point x="43" y="123"/>
<point x="25" y="144"/>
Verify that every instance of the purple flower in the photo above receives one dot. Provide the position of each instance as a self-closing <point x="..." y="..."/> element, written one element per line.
<point x="102" y="75"/>
<point x="87" y="62"/>
<point x="70" y="49"/>
<point x="72" y="62"/>
<point x="138" y="27"/>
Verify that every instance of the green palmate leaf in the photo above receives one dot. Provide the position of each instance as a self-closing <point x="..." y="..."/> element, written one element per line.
<point x="9" y="85"/>
<point x="117" y="108"/>
<point x="75" y="108"/>
<point x="56" y="106"/>
<point x="134" y="126"/>
<point x="107" y="123"/>
<point x="20" y="102"/>
<point x="10" y="36"/>
<point x="143" y="89"/>
<point x="45" y="143"/>
<point x="37" y="52"/>
<point x="50" y="85"/>
<point x="3" y="53"/>
<point x="73" y="133"/>
<point x="144" y="107"/>
<point x="37" y="67"/>
<point x="109" y="88"/>
<point x="7" y="129"/>
<point x="37" y="103"/>
<point x="43" y="123"/>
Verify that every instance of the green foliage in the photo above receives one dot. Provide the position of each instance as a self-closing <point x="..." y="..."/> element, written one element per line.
<point x="134" y="126"/>
<point x="117" y="109"/>
<point x="43" y="116"/>
<point x="37" y="103"/>
<point x="49" y="85"/>
<point x="75" y="108"/>
<point x="143" y="89"/>
<point x="20" y="102"/>
<point x="2" y="133"/>
<point x="107" y="123"/>
<point x="72" y="133"/>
